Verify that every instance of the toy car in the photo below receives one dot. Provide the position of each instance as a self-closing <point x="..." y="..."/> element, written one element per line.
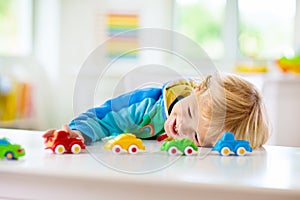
<point x="289" y="64"/>
<point x="228" y="144"/>
<point x="126" y="142"/>
<point x="184" y="146"/>
<point x="61" y="142"/>
<point x="10" y="151"/>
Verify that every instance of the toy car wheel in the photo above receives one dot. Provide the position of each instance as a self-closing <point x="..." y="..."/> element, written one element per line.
<point x="76" y="148"/>
<point x="9" y="155"/>
<point x="117" y="149"/>
<point x="225" y="151"/>
<point x="133" y="149"/>
<point x="173" y="151"/>
<point x="241" y="151"/>
<point x="188" y="151"/>
<point x="59" y="149"/>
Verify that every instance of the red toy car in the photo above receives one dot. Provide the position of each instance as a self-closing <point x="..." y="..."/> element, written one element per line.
<point x="61" y="142"/>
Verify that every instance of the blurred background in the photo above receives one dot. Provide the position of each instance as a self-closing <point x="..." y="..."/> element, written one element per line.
<point x="44" y="43"/>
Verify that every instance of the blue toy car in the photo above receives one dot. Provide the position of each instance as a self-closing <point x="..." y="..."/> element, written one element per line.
<point x="228" y="144"/>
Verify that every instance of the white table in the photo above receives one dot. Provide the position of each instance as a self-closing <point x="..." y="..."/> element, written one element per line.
<point x="272" y="173"/>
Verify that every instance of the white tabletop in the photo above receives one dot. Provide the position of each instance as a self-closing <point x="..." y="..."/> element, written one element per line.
<point x="269" y="173"/>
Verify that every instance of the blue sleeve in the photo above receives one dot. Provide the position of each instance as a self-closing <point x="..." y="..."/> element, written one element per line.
<point x="118" y="115"/>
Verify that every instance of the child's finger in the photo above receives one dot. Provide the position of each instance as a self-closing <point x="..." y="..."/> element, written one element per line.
<point x="66" y="128"/>
<point x="48" y="133"/>
<point x="71" y="132"/>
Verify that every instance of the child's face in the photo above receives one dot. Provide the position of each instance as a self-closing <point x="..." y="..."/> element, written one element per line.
<point x="185" y="121"/>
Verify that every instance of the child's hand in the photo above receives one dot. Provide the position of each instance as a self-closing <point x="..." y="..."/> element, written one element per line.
<point x="73" y="133"/>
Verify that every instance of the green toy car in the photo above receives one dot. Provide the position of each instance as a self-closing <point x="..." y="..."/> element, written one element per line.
<point x="184" y="146"/>
<point x="10" y="151"/>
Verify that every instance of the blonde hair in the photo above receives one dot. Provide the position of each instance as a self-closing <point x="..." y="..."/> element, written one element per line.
<point x="233" y="104"/>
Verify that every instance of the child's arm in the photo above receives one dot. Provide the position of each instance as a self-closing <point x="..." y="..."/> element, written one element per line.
<point x="130" y="112"/>
<point x="96" y="123"/>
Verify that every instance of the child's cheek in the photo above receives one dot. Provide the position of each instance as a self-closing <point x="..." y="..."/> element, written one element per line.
<point x="166" y="125"/>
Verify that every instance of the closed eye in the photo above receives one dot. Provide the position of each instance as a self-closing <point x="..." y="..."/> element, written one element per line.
<point x="189" y="112"/>
<point x="196" y="137"/>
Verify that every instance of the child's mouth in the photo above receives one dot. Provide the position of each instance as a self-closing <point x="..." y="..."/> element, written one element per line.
<point x="175" y="128"/>
<point x="176" y="132"/>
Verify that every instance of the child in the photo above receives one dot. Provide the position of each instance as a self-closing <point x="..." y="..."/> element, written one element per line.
<point x="181" y="109"/>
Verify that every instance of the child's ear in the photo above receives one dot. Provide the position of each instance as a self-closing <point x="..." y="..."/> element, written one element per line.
<point x="197" y="90"/>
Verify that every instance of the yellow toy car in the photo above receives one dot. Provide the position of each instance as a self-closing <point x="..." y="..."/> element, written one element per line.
<point x="126" y="142"/>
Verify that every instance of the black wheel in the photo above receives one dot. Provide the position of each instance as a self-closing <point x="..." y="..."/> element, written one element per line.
<point x="10" y="155"/>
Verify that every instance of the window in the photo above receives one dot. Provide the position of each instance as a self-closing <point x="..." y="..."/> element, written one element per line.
<point x="266" y="27"/>
<point x="16" y="27"/>
<point x="202" y="21"/>
<point x="257" y="29"/>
